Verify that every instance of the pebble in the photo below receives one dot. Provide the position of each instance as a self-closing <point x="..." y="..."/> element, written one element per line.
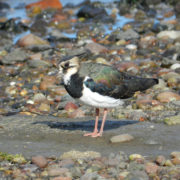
<point x="169" y="34"/>
<point x="96" y="48"/>
<point x="168" y="96"/>
<point x="172" y="120"/>
<point x="70" y="106"/>
<point x="40" y="161"/>
<point x="151" y="168"/>
<point x="31" y="39"/>
<point x="17" y="55"/>
<point x="160" y="160"/>
<point x="80" y="155"/>
<point x="44" y="107"/>
<point x="39" y="64"/>
<point x="39" y="97"/>
<point x="57" y="171"/>
<point x="175" y="66"/>
<point x="121" y="138"/>
<point x="133" y="157"/>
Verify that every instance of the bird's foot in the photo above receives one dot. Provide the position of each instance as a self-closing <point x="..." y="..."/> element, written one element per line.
<point x="93" y="134"/>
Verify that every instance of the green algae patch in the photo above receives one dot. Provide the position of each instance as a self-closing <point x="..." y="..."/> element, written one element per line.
<point x="18" y="158"/>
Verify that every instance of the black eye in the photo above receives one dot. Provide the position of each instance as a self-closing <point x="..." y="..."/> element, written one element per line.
<point x="66" y="65"/>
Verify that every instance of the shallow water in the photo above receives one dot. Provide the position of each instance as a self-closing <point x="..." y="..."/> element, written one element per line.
<point x="34" y="135"/>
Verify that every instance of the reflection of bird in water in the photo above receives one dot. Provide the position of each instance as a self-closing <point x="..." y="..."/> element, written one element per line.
<point x="100" y="86"/>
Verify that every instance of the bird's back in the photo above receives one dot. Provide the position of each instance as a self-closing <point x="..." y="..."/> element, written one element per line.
<point x="109" y="81"/>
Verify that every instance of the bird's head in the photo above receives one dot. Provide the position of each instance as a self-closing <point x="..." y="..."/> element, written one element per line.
<point x="69" y="67"/>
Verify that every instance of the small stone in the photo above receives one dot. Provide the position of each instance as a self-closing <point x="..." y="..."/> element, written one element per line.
<point x="39" y="63"/>
<point x="96" y="48"/>
<point x="131" y="46"/>
<point x="121" y="138"/>
<point x="160" y="160"/>
<point x="40" y="161"/>
<point x="80" y="155"/>
<point x="151" y="168"/>
<point x="36" y="56"/>
<point x="76" y="114"/>
<point x="123" y="175"/>
<point x="168" y="163"/>
<point x="175" y="66"/>
<point x="90" y="176"/>
<point x="47" y="82"/>
<point x="173" y="120"/>
<point x="39" y="97"/>
<point x="17" y="55"/>
<point x="169" y="34"/>
<point x="70" y="106"/>
<point x="102" y="61"/>
<point x="133" y="157"/>
<point x="175" y="154"/>
<point x="44" y="107"/>
<point x="31" y="39"/>
<point x="57" y="171"/>
<point x="129" y="67"/>
<point x="23" y="92"/>
<point x="168" y="96"/>
<point x="62" y="178"/>
<point x="175" y="161"/>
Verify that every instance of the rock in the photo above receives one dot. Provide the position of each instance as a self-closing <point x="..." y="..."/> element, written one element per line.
<point x="176" y="158"/>
<point x="17" y="55"/>
<point x="90" y="176"/>
<point x="168" y="96"/>
<point x="168" y="163"/>
<point x="175" y="154"/>
<point x="40" y="161"/>
<point x="175" y="161"/>
<point x="62" y="178"/>
<point x="45" y="4"/>
<point x="39" y="97"/>
<point x="57" y="171"/>
<point x="47" y="82"/>
<point x="96" y="48"/>
<point x="131" y="46"/>
<point x="151" y="168"/>
<point x="80" y="155"/>
<point x="36" y="56"/>
<point x="133" y="157"/>
<point x="129" y="67"/>
<point x="78" y="113"/>
<point x="70" y="106"/>
<point x="39" y="64"/>
<point x="127" y="35"/>
<point x="44" y="107"/>
<point x="121" y="138"/>
<point x="175" y="66"/>
<point x="31" y="39"/>
<point x="169" y="34"/>
<point x="160" y="160"/>
<point x="173" y="120"/>
<point x="90" y="11"/>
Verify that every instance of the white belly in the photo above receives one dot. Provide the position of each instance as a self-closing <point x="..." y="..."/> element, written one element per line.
<point x="96" y="100"/>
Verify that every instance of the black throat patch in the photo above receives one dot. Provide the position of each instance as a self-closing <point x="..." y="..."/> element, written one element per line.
<point x="75" y="86"/>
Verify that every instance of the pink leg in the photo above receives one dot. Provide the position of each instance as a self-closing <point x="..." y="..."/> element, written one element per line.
<point x="95" y="126"/>
<point x="102" y="124"/>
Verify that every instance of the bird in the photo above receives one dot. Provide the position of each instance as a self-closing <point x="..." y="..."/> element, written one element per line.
<point x="100" y="86"/>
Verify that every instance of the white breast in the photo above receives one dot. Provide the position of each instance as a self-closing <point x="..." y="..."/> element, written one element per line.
<point x="96" y="100"/>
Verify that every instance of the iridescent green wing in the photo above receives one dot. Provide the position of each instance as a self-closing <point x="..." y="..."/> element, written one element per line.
<point x="101" y="73"/>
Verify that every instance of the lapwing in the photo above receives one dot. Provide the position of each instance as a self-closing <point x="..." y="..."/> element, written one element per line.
<point x="100" y="86"/>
